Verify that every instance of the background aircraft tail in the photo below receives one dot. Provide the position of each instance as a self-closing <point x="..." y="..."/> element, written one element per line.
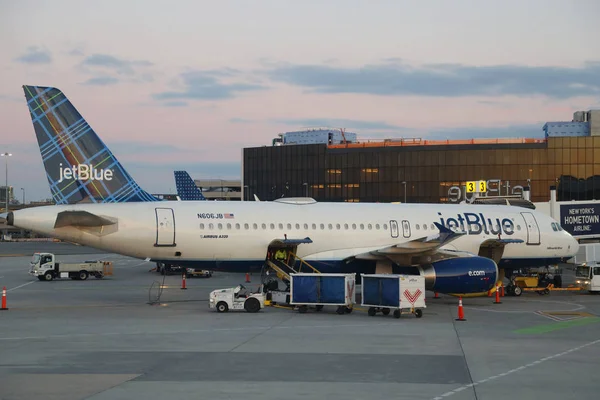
<point x="79" y="166"/>
<point x="186" y="187"/>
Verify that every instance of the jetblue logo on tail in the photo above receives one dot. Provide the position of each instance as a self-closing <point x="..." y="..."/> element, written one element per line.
<point x="475" y="224"/>
<point x="84" y="172"/>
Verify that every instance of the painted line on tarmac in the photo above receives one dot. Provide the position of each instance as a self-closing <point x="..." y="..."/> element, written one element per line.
<point x="558" y="325"/>
<point x="146" y="333"/>
<point x="522" y="367"/>
<point x="14" y="255"/>
<point x="20" y="286"/>
<point x="577" y="307"/>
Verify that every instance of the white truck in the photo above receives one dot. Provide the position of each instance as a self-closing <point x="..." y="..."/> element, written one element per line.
<point x="587" y="277"/>
<point x="236" y="298"/>
<point x="46" y="268"/>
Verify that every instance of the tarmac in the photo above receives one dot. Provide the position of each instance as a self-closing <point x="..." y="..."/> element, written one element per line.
<point x="108" y="339"/>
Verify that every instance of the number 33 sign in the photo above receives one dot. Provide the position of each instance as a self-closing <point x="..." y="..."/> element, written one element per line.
<point x="476" y="187"/>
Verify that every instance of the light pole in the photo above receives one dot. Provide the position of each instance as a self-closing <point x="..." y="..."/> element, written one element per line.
<point x="306" y="189"/>
<point x="23" y="195"/>
<point x="404" y="184"/>
<point x="6" y="187"/>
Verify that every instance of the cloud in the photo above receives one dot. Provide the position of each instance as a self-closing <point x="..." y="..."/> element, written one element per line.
<point x="35" y="55"/>
<point x="236" y="120"/>
<point x="444" y="80"/>
<point x="338" y="123"/>
<point x="202" y="85"/>
<point x="77" y="52"/>
<point x="110" y="70"/>
<point x="102" y="81"/>
<point x="115" y="64"/>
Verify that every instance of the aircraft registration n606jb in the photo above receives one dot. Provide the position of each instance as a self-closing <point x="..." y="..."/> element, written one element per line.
<point x="457" y="247"/>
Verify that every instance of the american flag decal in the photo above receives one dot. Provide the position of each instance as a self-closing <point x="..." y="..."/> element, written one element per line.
<point x="228" y="216"/>
<point x="412" y="297"/>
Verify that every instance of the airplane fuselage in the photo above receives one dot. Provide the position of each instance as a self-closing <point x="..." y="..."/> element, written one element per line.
<point x="234" y="237"/>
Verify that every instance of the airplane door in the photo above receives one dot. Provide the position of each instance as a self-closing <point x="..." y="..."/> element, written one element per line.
<point x="394" y="228"/>
<point x="165" y="227"/>
<point x="533" y="230"/>
<point x="405" y="228"/>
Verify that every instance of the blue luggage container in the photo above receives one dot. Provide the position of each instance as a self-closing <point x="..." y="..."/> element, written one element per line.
<point x="313" y="289"/>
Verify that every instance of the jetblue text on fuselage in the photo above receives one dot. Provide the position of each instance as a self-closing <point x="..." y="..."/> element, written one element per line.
<point x="477" y="223"/>
<point x="84" y="172"/>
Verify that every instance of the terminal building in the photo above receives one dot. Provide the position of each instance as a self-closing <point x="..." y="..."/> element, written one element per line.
<point x="333" y="168"/>
<point x="220" y="189"/>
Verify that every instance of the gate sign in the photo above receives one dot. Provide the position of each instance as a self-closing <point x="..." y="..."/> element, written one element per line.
<point x="580" y="219"/>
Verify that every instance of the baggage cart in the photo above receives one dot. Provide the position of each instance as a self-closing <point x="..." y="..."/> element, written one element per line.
<point x="318" y="290"/>
<point x="385" y="292"/>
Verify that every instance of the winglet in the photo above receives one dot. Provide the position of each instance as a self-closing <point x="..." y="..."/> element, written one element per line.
<point x="442" y="228"/>
<point x="447" y="234"/>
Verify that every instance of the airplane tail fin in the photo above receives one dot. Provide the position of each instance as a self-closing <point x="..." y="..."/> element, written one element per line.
<point x="79" y="166"/>
<point x="186" y="187"/>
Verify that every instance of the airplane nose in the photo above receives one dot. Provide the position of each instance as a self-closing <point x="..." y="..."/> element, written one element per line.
<point x="574" y="246"/>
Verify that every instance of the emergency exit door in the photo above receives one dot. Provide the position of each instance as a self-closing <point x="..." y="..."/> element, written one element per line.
<point x="394" y="228"/>
<point x="405" y="228"/>
<point x="165" y="227"/>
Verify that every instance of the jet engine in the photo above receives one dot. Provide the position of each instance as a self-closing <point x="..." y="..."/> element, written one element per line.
<point x="461" y="275"/>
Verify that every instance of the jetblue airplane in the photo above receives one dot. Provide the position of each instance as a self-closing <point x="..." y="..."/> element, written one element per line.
<point x="457" y="247"/>
<point x="186" y="187"/>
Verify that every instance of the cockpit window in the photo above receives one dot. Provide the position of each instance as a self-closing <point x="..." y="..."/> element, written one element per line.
<point x="554" y="227"/>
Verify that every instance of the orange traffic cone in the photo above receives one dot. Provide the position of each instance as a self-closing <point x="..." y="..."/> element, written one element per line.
<point x="247" y="277"/>
<point x="497" y="296"/>
<point x="502" y="292"/>
<point x="183" y="282"/>
<point x="4" y="299"/>
<point x="436" y="296"/>
<point x="461" y="313"/>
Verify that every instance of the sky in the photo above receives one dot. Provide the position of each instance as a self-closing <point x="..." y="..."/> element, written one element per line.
<point x="172" y="85"/>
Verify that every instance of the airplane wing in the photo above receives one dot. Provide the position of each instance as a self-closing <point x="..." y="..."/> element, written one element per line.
<point x="81" y="219"/>
<point x="425" y="243"/>
<point x="500" y="242"/>
<point x="429" y="247"/>
<point x="416" y="247"/>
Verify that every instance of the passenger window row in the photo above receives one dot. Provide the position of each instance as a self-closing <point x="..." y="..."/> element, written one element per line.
<point x="305" y="226"/>
<point x="273" y="226"/>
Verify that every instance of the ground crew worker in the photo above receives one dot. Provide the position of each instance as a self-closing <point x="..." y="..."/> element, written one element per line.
<point x="280" y="255"/>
